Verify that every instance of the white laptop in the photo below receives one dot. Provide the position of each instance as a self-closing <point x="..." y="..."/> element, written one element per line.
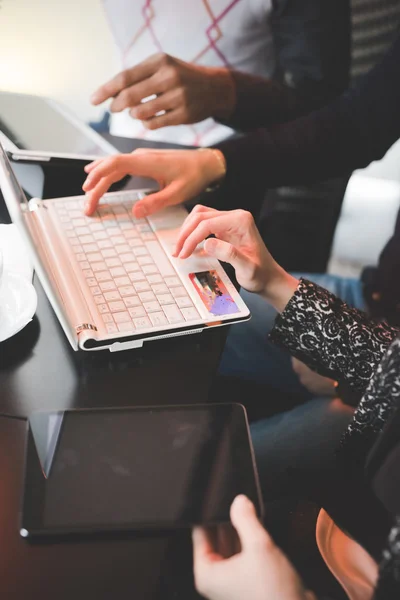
<point x="111" y="279"/>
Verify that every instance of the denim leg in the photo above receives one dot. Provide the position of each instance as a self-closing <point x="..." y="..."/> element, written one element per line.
<point x="298" y="442"/>
<point x="249" y="355"/>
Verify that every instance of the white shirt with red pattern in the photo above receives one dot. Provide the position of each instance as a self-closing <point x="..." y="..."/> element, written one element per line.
<point x="233" y="33"/>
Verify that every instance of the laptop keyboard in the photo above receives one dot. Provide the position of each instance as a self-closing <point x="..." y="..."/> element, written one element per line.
<point x="133" y="283"/>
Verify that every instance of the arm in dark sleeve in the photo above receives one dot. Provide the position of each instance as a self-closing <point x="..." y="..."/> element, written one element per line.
<point x="311" y="42"/>
<point x="354" y="130"/>
<point x="330" y="337"/>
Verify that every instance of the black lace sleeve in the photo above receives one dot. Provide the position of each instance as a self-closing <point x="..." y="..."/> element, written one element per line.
<point x="330" y="337"/>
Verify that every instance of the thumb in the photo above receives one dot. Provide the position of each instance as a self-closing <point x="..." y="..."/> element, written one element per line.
<point x="249" y="529"/>
<point x="157" y="201"/>
<point x="226" y="252"/>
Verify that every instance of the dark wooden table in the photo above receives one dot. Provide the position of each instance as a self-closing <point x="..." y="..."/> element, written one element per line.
<point x="40" y="371"/>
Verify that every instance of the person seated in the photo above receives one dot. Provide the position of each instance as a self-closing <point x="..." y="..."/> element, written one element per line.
<point x="349" y="133"/>
<point x="234" y="66"/>
<point x="342" y="342"/>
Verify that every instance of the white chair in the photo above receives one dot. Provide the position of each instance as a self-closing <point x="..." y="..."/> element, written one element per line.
<point x="366" y="223"/>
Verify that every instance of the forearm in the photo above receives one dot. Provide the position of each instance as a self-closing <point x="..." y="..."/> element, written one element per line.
<point x="311" y="48"/>
<point x="351" y="132"/>
<point x="262" y="102"/>
<point x="330" y="337"/>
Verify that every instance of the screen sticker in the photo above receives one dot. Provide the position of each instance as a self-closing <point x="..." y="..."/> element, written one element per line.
<point x="213" y="293"/>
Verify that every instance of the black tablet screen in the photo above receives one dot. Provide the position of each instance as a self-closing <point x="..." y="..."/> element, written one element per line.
<point x="136" y="468"/>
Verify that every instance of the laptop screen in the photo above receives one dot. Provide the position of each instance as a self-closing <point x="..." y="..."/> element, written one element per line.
<point x="33" y="123"/>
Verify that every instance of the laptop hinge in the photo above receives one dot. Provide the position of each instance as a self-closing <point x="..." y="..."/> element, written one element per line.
<point x="85" y="327"/>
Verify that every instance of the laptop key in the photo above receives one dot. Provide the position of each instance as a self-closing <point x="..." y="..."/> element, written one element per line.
<point x="108" y="252"/>
<point x="161" y="288"/>
<point x="178" y="291"/>
<point x="184" y="301"/>
<point x="140" y="251"/>
<point x="145" y="260"/>
<point x="172" y="281"/>
<point x="86" y="239"/>
<point x="89" y="248"/>
<point x="95" y="290"/>
<point x="107" y="286"/>
<point x="158" y="318"/>
<point x="151" y="306"/>
<point x="173" y="313"/>
<point x="142" y="323"/>
<point x="99" y="235"/>
<point x="103" y="308"/>
<point x="126" y="290"/>
<point x="123" y="327"/>
<point x="107" y="318"/>
<point x="127" y="257"/>
<point x="122" y="317"/>
<point x="122" y="281"/>
<point x="147" y="296"/>
<point x="103" y="276"/>
<point x="134" y="243"/>
<point x="137" y="311"/>
<point x="149" y="269"/>
<point x="113" y="262"/>
<point x="141" y="286"/>
<point x="190" y="314"/>
<point x="99" y="266"/>
<point x="93" y="256"/>
<point x="103" y="244"/>
<point x="131" y="301"/>
<point x="129" y="233"/>
<point x="137" y="276"/>
<point x="155" y="278"/>
<point x="119" y="242"/>
<point x="116" y="306"/>
<point x="131" y="267"/>
<point x="113" y="295"/>
<point x="165" y="299"/>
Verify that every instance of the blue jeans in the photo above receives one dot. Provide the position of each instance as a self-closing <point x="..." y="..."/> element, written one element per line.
<point x="301" y="439"/>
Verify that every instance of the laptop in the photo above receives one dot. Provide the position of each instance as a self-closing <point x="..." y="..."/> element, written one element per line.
<point x="111" y="278"/>
<point x="64" y="138"/>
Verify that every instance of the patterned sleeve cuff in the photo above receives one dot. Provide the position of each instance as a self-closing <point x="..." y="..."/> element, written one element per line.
<point x="330" y="337"/>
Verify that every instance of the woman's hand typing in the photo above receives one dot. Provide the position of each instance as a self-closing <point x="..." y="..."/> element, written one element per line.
<point x="238" y="242"/>
<point x="181" y="175"/>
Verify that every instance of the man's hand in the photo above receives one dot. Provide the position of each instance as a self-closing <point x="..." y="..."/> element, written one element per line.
<point x="315" y="383"/>
<point x="181" y="175"/>
<point x="180" y="92"/>
<point x="238" y="242"/>
<point x="259" y="571"/>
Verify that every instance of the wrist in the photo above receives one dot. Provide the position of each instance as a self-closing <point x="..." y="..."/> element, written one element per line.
<point x="280" y="289"/>
<point x="223" y="93"/>
<point x="213" y="165"/>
